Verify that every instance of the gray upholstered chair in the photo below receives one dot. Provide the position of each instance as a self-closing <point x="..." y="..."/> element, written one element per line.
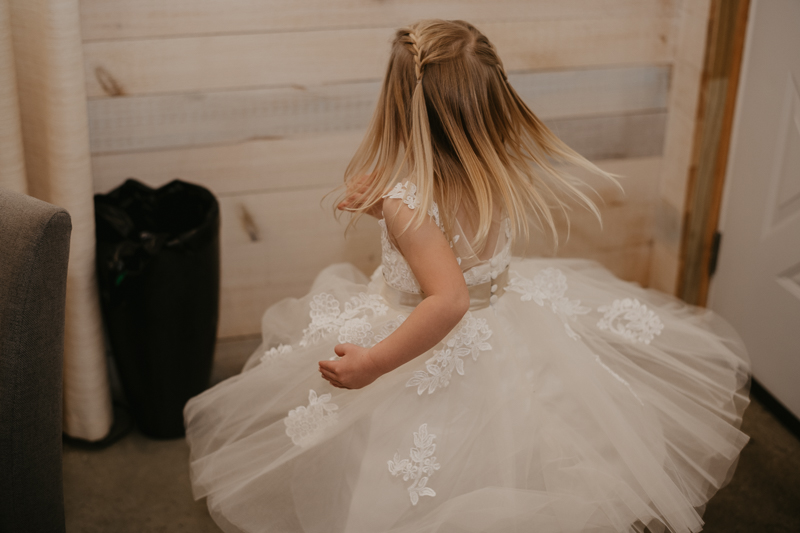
<point x="34" y="250"/>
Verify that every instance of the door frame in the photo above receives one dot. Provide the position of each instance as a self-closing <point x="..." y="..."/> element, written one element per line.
<point x="700" y="239"/>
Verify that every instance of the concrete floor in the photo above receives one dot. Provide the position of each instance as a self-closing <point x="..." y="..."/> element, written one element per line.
<point x="139" y="485"/>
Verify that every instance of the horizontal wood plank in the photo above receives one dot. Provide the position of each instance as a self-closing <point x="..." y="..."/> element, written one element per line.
<point x="164" y="121"/>
<point x="219" y="62"/>
<point x="628" y="214"/>
<point x="628" y="263"/>
<point x="260" y="165"/>
<point x="263" y="165"/>
<point x="295" y="238"/>
<point x="613" y="137"/>
<point x="125" y="19"/>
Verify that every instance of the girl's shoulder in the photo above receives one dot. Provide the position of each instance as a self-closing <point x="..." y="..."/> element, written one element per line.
<point x="406" y="193"/>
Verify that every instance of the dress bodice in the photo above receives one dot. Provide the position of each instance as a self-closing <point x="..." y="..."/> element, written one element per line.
<point x="396" y="270"/>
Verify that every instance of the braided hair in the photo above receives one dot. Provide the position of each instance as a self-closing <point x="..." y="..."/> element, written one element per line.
<point x="449" y="120"/>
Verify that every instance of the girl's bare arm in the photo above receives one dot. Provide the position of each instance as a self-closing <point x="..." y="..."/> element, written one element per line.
<point x="447" y="300"/>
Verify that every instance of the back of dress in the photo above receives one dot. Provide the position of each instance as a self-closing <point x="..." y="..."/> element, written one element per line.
<point x="489" y="268"/>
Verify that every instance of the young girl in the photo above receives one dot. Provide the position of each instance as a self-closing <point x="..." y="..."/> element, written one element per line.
<point x="461" y="389"/>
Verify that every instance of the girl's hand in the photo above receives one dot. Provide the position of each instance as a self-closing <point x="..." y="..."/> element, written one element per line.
<point x="355" y="369"/>
<point x="355" y="193"/>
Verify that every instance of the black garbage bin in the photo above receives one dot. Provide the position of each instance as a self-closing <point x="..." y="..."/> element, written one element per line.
<point x="158" y="273"/>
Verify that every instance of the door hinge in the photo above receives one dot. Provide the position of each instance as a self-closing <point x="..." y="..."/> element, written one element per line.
<point x="712" y="260"/>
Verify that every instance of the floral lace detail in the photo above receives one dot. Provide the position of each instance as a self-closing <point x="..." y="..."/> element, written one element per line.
<point x="305" y="425"/>
<point x="389" y="328"/>
<point x="351" y="323"/>
<point x="434" y="213"/>
<point x="470" y="339"/>
<point x="420" y="467"/>
<point x="405" y="191"/>
<point x="494" y="266"/>
<point x="276" y="352"/>
<point x="356" y="331"/>
<point x="396" y="270"/>
<point x="642" y="324"/>
<point x="548" y="286"/>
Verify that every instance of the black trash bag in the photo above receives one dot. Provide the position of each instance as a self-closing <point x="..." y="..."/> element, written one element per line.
<point x="158" y="273"/>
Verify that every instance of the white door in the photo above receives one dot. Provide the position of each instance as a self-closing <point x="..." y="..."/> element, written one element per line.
<point x="757" y="284"/>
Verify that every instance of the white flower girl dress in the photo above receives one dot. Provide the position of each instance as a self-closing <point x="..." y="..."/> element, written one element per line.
<point x="566" y="400"/>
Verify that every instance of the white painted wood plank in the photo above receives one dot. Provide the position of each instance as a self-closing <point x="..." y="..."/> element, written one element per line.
<point x="259" y="165"/>
<point x="684" y="91"/>
<point x="117" y="19"/>
<point x="679" y="134"/>
<point x="161" y="121"/>
<point x="629" y="263"/>
<point x="296" y="239"/>
<point x="312" y="161"/>
<point x="664" y="267"/>
<point x="628" y="215"/>
<point x="593" y="91"/>
<point x="221" y="62"/>
<point x="690" y="40"/>
<point x="624" y="243"/>
<point x="615" y="136"/>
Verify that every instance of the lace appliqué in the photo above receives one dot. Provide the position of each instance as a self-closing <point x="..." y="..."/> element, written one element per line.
<point x="494" y="266"/>
<point x="434" y="213"/>
<point x="407" y="192"/>
<point x="470" y="339"/>
<point x="277" y="352"/>
<point x="548" y="287"/>
<point x="396" y="270"/>
<point x="420" y="467"/>
<point x="351" y="324"/>
<point x="630" y="319"/>
<point x="305" y="425"/>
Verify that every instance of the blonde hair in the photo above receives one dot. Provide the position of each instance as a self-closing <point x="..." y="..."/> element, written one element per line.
<point x="448" y="119"/>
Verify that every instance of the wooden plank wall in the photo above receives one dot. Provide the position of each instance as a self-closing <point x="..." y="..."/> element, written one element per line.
<point x="264" y="102"/>
<point x="680" y="136"/>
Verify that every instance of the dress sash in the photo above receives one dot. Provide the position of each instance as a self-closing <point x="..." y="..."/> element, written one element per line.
<point x="481" y="295"/>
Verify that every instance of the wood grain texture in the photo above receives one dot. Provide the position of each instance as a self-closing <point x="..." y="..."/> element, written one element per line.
<point x="624" y="242"/>
<point x="681" y="138"/>
<point x="125" y="19"/>
<point x="664" y="267"/>
<point x="628" y="214"/>
<point x="253" y="166"/>
<point x="728" y="26"/>
<point x="164" y="121"/>
<point x="629" y="263"/>
<point x="613" y="137"/>
<point x="297" y="237"/>
<point x="263" y="165"/>
<point x="679" y="134"/>
<point x="219" y="62"/>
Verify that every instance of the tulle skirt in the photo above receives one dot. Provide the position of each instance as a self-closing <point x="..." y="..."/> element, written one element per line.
<point x="575" y="402"/>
